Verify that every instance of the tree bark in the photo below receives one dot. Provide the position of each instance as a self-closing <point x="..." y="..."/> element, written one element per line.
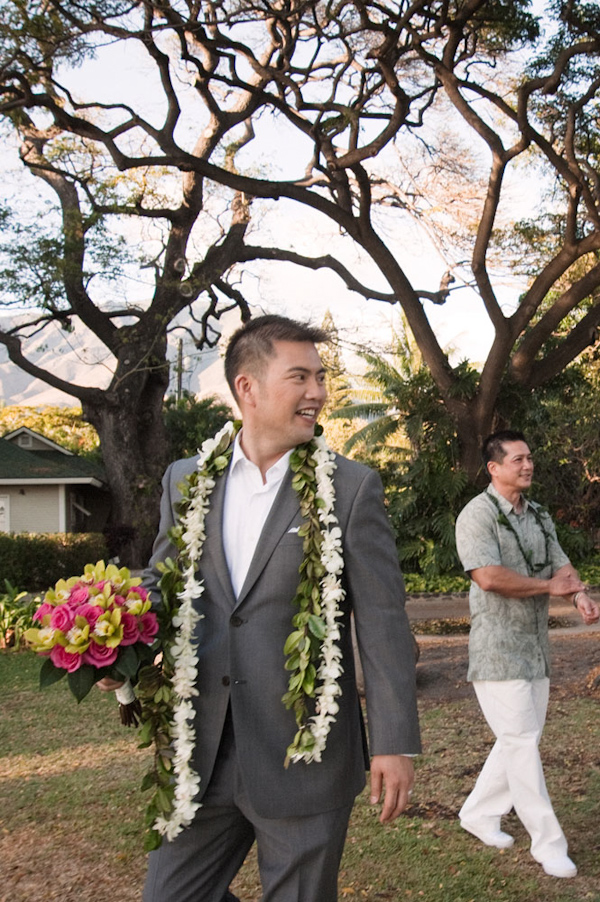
<point x="128" y="419"/>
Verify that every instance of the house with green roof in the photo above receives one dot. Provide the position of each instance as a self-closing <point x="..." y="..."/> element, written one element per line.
<point x="46" y="489"/>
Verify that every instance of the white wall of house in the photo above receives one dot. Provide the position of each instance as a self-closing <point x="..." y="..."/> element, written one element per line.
<point x="35" y="508"/>
<point x="4" y="513"/>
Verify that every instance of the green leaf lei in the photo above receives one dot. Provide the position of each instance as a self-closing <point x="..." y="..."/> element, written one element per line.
<point x="312" y="657"/>
<point x="311" y="653"/>
<point x="503" y="520"/>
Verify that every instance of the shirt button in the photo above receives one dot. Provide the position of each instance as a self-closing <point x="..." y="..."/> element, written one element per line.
<point x="236" y="621"/>
<point x="226" y="681"/>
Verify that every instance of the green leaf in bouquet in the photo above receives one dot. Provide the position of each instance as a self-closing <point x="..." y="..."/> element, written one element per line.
<point x="146" y="654"/>
<point x="128" y="662"/>
<point x="50" y="674"/>
<point x="82" y="680"/>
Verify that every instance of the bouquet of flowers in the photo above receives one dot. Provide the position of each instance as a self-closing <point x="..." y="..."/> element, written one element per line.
<point x="100" y="625"/>
<point x="96" y="625"/>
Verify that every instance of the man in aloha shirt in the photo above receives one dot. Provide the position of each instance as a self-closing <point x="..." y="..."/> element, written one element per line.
<point x="508" y="546"/>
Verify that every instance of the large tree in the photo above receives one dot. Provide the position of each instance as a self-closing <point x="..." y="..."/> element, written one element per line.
<point x="366" y="114"/>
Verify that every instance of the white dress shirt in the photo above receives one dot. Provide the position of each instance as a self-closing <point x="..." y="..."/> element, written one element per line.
<point x="247" y="504"/>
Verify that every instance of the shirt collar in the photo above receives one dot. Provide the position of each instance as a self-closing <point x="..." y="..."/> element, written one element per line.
<point x="505" y="506"/>
<point x="277" y="471"/>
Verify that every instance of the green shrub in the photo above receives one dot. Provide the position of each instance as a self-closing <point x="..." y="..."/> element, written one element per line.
<point x="16" y="615"/>
<point x="34" y="562"/>
<point x="589" y="570"/>
<point x="576" y="543"/>
<point x="447" y="585"/>
<point x="416" y="583"/>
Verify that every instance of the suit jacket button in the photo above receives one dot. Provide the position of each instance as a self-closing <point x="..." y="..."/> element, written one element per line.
<point x="236" y="621"/>
<point x="226" y="681"/>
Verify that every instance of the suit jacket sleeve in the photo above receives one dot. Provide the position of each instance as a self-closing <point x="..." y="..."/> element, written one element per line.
<point x="376" y="589"/>
<point x="162" y="547"/>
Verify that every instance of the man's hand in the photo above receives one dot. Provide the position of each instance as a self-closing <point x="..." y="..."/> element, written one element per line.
<point x="396" y="773"/>
<point x="565" y="582"/>
<point x="589" y="610"/>
<point x="108" y="685"/>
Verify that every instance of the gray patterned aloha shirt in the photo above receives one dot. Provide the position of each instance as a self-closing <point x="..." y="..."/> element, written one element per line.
<point x="509" y="636"/>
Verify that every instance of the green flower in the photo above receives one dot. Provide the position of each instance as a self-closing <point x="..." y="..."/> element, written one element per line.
<point x="108" y="629"/>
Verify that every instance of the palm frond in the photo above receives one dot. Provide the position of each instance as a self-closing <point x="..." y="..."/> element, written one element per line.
<point x="364" y="410"/>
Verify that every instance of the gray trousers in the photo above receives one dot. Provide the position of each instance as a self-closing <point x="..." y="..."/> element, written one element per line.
<point x="298" y="858"/>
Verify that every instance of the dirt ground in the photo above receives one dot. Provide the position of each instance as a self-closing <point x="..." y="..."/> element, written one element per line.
<point x="441" y="679"/>
<point x="442" y="667"/>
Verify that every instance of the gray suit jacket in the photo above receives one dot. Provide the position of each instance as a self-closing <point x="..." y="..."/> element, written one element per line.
<point x="240" y="646"/>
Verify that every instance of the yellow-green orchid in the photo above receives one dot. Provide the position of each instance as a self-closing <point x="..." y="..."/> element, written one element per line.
<point x="78" y="637"/>
<point x="42" y="640"/>
<point x="108" y="629"/>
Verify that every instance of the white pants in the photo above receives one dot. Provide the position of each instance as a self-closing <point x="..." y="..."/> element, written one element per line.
<point x="512" y="776"/>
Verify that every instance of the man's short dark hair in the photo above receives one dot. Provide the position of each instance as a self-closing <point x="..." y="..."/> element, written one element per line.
<point x="493" y="446"/>
<point x="252" y="344"/>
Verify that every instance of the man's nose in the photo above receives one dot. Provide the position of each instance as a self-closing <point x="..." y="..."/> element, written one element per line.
<point x="317" y="389"/>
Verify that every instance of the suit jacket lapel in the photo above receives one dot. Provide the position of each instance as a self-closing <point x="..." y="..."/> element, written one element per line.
<point x="283" y="511"/>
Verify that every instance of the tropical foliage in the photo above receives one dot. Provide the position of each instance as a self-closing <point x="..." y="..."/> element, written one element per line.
<point x="190" y="420"/>
<point x="405" y="430"/>
<point x="16" y="615"/>
<point x="408" y="434"/>
<point x="560" y="421"/>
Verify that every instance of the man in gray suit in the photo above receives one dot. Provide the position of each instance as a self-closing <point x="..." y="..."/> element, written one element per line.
<point x="298" y="814"/>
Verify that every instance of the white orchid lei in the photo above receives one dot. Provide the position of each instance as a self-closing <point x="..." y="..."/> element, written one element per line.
<point x="313" y="657"/>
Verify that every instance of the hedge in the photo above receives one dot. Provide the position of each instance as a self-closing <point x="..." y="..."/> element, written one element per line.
<point x="34" y="562"/>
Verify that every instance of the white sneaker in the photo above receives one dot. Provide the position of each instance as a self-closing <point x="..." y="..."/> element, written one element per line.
<point x="496" y="838"/>
<point x="562" y="866"/>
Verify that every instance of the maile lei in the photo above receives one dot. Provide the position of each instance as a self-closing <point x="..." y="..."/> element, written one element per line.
<point x="503" y="520"/>
<point x="312" y="656"/>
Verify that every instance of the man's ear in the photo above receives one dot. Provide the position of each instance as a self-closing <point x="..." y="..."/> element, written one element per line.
<point x="245" y="390"/>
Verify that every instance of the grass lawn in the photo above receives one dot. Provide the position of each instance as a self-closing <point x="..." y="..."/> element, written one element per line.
<point x="71" y="814"/>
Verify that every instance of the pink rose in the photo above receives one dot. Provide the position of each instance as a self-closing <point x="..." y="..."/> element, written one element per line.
<point x="100" y="655"/>
<point x="148" y="626"/>
<point x="62" y="618"/>
<point x="131" y="632"/>
<point x="64" y="659"/>
<point x="119" y="600"/>
<point x="138" y="592"/>
<point x="91" y="612"/>
<point x="79" y="594"/>
<point x="42" y="611"/>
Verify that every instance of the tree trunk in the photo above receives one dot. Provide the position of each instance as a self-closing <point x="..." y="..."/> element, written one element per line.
<point x="129" y="420"/>
<point x="474" y="423"/>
